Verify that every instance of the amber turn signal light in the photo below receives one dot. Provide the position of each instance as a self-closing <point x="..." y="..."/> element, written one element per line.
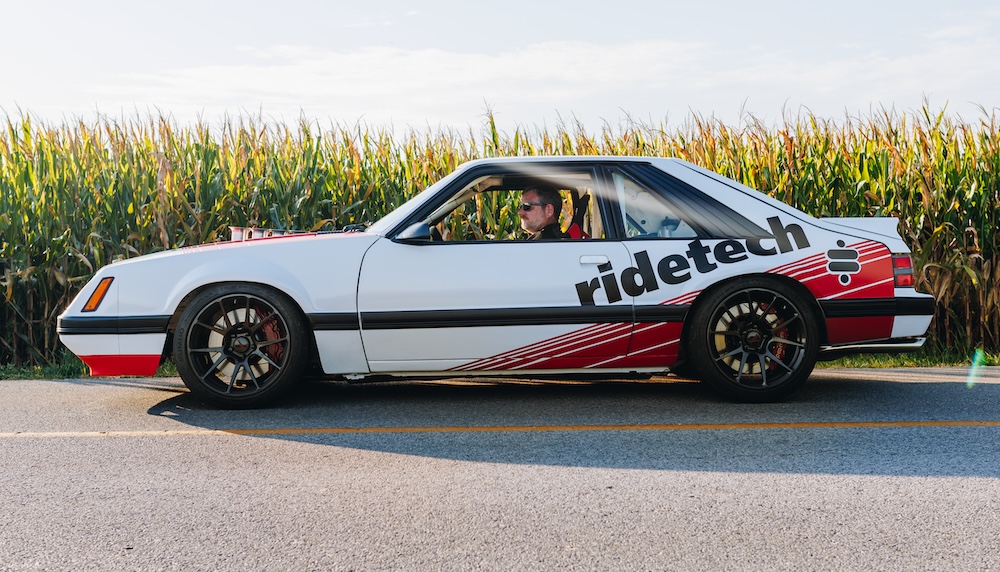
<point x="98" y="296"/>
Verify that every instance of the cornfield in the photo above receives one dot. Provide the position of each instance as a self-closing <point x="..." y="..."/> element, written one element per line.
<point x="76" y="196"/>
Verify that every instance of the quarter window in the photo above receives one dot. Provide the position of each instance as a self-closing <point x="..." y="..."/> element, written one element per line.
<point x="649" y="214"/>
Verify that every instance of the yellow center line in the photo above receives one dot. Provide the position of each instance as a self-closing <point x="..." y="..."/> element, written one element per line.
<point x="507" y="428"/>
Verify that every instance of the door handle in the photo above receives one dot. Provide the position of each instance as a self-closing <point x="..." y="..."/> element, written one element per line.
<point x="594" y="259"/>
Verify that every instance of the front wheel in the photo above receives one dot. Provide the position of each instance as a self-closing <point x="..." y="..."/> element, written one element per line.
<point x="240" y="345"/>
<point x="754" y="340"/>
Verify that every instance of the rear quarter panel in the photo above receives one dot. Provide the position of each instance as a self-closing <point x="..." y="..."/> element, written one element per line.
<point x="856" y="299"/>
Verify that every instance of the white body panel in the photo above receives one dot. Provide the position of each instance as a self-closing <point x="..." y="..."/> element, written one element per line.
<point x="341" y="352"/>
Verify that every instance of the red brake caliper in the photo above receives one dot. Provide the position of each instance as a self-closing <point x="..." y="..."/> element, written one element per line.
<point x="271" y="333"/>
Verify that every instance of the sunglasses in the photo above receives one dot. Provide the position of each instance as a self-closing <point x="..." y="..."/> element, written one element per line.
<point x="527" y="206"/>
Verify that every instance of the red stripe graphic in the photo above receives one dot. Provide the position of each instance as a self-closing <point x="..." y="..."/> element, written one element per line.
<point x="651" y="345"/>
<point x="657" y="344"/>
<point x="872" y="281"/>
<point x="591" y="337"/>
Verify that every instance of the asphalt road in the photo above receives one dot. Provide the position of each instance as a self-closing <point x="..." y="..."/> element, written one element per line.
<point x="860" y="470"/>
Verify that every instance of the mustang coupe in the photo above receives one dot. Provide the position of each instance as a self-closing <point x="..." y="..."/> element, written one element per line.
<point x="657" y="266"/>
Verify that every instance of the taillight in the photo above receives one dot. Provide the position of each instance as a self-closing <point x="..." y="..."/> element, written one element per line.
<point x="902" y="270"/>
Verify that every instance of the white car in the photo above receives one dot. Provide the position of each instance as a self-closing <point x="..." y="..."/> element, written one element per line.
<point x="664" y="266"/>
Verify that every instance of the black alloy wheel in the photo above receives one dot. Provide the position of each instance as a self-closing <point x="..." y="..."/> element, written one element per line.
<point x="754" y="340"/>
<point x="240" y="345"/>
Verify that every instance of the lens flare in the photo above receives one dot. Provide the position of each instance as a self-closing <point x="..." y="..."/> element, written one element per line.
<point x="978" y="359"/>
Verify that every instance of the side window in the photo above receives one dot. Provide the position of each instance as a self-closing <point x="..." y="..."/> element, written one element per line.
<point x="483" y="215"/>
<point x="488" y="208"/>
<point x="649" y="214"/>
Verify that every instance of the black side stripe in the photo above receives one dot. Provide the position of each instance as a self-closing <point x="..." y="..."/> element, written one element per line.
<point x="915" y="306"/>
<point x="660" y="313"/>
<point x="877" y="307"/>
<point x="496" y="317"/>
<point x="341" y="321"/>
<point x="411" y="319"/>
<point x="90" y="325"/>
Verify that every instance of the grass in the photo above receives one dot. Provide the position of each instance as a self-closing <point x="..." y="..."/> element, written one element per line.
<point x="923" y="358"/>
<point x="66" y="366"/>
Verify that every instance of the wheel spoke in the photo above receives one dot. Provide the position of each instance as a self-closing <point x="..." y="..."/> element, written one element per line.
<point x="763" y="370"/>
<point x="749" y="303"/>
<point x="246" y="314"/>
<point x="266" y="343"/>
<point x="225" y="315"/>
<point x="775" y="359"/>
<point x="264" y="356"/>
<point x="249" y="369"/>
<point x="731" y="354"/>
<point x="267" y="320"/>
<point x="770" y="305"/>
<point x="743" y="363"/>
<point x="232" y="378"/>
<point x="206" y="350"/>
<point x="787" y="342"/>
<point x="213" y="327"/>
<point x="733" y="333"/>
<point x="786" y="323"/>
<point x="214" y="368"/>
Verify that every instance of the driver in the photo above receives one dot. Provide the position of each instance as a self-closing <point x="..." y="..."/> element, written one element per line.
<point x="539" y="211"/>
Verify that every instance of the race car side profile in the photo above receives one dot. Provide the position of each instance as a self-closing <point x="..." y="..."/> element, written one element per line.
<point x="664" y="267"/>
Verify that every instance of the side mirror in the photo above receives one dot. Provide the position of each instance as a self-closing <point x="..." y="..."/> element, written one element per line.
<point x="416" y="233"/>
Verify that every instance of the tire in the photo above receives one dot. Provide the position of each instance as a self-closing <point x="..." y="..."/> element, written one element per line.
<point x="240" y="346"/>
<point x="754" y="340"/>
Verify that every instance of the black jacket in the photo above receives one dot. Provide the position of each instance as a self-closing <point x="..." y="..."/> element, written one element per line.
<point x="551" y="232"/>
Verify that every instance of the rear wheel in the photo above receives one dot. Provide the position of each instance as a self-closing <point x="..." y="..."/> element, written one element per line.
<point x="240" y="345"/>
<point x="754" y="340"/>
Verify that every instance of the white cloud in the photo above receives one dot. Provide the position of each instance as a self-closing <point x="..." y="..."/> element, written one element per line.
<point x="531" y="84"/>
<point x="410" y="86"/>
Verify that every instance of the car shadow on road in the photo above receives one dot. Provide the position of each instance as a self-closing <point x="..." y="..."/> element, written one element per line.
<point x="655" y="425"/>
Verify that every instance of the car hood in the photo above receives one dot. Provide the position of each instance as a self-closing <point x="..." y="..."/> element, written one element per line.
<point x="301" y="265"/>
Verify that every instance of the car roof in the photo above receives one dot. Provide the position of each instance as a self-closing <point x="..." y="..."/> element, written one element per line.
<point x="569" y="159"/>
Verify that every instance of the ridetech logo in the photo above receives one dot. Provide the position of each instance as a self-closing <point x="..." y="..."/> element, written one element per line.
<point x="676" y="268"/>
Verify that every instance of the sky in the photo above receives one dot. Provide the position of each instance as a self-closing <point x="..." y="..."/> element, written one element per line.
<point x="439" y="64"/>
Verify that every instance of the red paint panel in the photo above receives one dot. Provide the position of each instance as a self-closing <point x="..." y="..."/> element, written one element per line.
<point x="652" y="345"/>
<point x="659" y="339"/>
<point x="586" y="345"/>
<point x="874" y="280"/>
<point x="116" y="365"/>
<point x="851" y="330"/>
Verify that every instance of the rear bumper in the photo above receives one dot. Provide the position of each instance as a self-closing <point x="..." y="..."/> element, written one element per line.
<point x="913" y="305"/>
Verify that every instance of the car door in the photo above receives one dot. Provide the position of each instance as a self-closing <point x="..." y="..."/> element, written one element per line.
<point x="493" y="302"/>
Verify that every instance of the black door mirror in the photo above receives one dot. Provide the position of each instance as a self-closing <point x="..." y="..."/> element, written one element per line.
<point x="416" y="233"/>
